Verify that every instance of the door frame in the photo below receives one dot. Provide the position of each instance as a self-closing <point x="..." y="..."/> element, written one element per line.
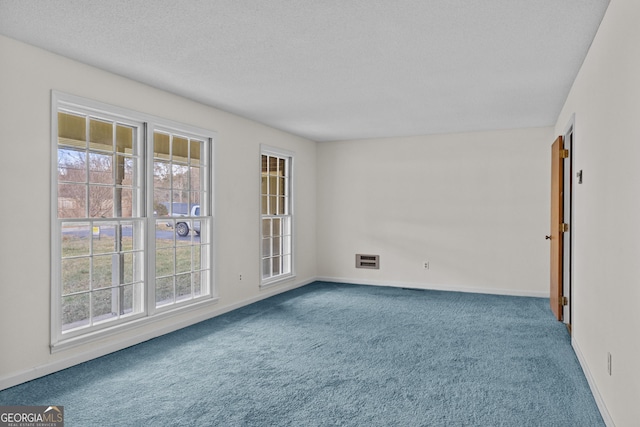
<point x="568" y="216"/>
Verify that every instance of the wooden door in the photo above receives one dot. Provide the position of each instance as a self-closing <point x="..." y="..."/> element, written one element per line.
<point x="557" y="209"/>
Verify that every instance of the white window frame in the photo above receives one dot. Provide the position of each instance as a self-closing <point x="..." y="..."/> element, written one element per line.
<point x="206" y="206"/>
<point x="145" y="124"/>
<point x="266" y="150"/>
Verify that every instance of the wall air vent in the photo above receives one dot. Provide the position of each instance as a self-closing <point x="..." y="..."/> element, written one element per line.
<point x="368" y="261"/>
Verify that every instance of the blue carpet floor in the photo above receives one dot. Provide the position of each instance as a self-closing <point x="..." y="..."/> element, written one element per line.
<point x="338" y="355"/>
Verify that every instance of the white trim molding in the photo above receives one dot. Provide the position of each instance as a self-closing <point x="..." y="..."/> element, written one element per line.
<point x="592" y="384"/>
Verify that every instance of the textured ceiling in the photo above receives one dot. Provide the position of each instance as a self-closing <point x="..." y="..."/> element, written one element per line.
<point x="334" y="69"/>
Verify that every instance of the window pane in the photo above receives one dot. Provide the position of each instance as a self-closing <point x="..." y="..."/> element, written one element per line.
<point x="129" y="167"/>
<point x="76" y="239"/>
<point x="266" y="268"/>
<point x="165" y="233"/>
<point x="286" y="245"/>
<point x="276" y="246"/>
<point x="124" y="139"/>
<point x="273" y="166"/>
<point x="180" y="202"/>
<point x="161" y="146"/>
<point x="100" y="135"/>
<point x="164" y="262"/>
<point x="286" y="225"/>
<point x="72" y="200"/>
<point x="75" y="311"/>
<point x="286" y="264"/>
<point x="205" y="256"/>
<point x="263" y="185"/>
<point x="197" y="257"/>
<point x="105" y="304"/>
<point x="75" y="275"/>
<point x="128" y="264"/>
<point x="128" y="299"/>
<point x="162" y="203"/>
<point x="120" y="173"/>
<point x="197" y="278"/>
<point x="184" y="226"/>
<point x="275" y="266"/>
<point x="164" y="291"/>
<point x="162" y="175"/>
<point x="100" y="201"/>
<point x="183" y="259"/>
<point x="101" y="274"/>
<point x="273" y="205"/>
<point x="266" y="227"/>
<point x="180" y="149"/>
<point x="195" y="179"/>
<point x="195" y="198"/>
<point x="196" y="150"/>
<point x="126" y="198"/>
<point x="180" y="178"/>
<point x="72" y="165"/>
<point x="183" y="286"/>
<point x="104" y="241"/>
<point x="127" y="236"/>
<point x="273" y="185"/>
<point x="72" y="130"/>
<point x="266" y="247"/>
<point x="101" y="168"/>
<point x="132" y="236"/>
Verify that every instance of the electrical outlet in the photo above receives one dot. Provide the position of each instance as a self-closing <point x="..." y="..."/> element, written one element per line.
<point x="426" y="265"/>
<point x="609" y="363"/>
<point x="241" y="277"/>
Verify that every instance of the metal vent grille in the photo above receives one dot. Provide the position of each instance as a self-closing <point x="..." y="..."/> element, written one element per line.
<point x="368" y="261"/>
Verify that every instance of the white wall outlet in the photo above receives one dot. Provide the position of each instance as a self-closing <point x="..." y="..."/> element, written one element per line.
<point x="240" y="277"/>
<point x="426" y="265"/>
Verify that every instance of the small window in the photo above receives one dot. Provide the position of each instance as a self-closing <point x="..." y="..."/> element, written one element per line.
<point x="276" y="215"/>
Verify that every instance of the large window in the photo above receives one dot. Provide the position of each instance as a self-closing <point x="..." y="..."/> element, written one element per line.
<point x="276" y="215"/>
<point x="132" y="222"/>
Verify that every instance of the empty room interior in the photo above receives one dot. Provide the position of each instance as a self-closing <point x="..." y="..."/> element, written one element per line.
<point x="415" y="134"/>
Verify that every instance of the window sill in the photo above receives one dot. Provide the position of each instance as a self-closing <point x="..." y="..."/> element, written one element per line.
<point x="65" y="344"/>
<point x="276" y="280"/>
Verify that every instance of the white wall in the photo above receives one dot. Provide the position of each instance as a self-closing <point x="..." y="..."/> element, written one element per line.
<point x="606" y="101"/>
<point x="474" y="205"/>
<point x="27" y="76"/>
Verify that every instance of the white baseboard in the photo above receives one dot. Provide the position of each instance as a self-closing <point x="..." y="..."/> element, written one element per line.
<point x="592" y="385"/>
<point x="49" y="368"/>
<point x="436" y="287"/>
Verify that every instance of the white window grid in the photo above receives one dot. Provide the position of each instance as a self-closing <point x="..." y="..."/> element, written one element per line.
<point x="132" y="294"/>
<point x="276" y="229"/>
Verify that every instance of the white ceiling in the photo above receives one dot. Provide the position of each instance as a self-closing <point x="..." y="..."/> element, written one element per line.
<point x="334" y="69"/>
